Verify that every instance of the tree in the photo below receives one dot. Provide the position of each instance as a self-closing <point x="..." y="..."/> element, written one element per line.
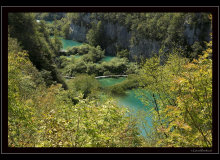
<point x="34" y="39"/>
<point x="65" y="30"/>
<point x="63" y="61"/>
<point x="49" y="116"/>
<point x="40" y="116"/>
<point x="95" y="34"/>
<point x="123" y="53"/>
<point x="57" y="42"/>
<point x="85" y="83"/>
<point x="180" y="93"/>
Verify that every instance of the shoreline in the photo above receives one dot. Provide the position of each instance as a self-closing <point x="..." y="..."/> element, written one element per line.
<point x="110" y="76"/>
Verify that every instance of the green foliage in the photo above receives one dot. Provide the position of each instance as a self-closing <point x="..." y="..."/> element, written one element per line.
<point x="90" y="53"/>
<point x="62" y="26"/>
<point x="47" y="77"/>
<point x="63" y="61"/>
<point x="42" y="114"/>
<point x="85" y="64"/>
<point x="116" y="65"/>
<point x="34" y="38"/>
<point x="48" y="16"/>
<point x="57" y="43"/>
<point x="95" y="34"/>
<point x="107" y="73"/>
<point x="23" y="81"/>
<point x="166" y="28"/>
<point x="115" y="89"/>
<point x="65" y="30"/>
<point x="131" y="82"/>
<point x="72" y="50"/>
<point x="196" y="50"/>
<point x="123" y="54"/>
<point x="73" y="17"/>
<point x="181" y="95"/>
<point x="133" y="68"/>
<point x="52" y="117"/>
<point x="84" y="83"/>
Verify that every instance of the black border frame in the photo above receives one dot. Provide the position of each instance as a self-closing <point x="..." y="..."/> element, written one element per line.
<point x="4" y="136"/>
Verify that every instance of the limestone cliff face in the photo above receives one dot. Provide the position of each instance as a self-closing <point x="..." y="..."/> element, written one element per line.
<point x="78" y="32"/>
<point x="116" y="34"/>
<point x="193" y="34"/>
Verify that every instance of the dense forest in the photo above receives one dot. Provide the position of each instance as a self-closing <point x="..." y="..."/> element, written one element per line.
<point x="46" y="110"/>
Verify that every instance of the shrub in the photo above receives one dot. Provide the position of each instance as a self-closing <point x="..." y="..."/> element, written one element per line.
<point x="123" y="53"/>
<point x="107" y="73"/>
<point x="72" y="50"/>
<point x="116" y="89"/>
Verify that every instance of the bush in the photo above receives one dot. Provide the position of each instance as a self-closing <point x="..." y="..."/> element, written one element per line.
<point x="107" y="73"/>
<point x="72" y="50"/>
<point x="84" y="83"/>
<point x="91" y="53"/>
<point x="63" y="61"/>
<point x="87" y="58"/>
<point x="123" y="53"/>
<point x="131" y="82"/>
<point x="65" y="30"/>
<point x="84" y="49"/>
<point x="116" y="89"/>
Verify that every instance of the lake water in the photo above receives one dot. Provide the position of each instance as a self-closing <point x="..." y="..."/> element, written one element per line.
<point x="49" y="21"/>
<point x="71" y="43"/>
<point x="67" y="42"/>
<point x="130" y="100"/>
<point x="107" y="58"/>
<point x="110" y="81"/>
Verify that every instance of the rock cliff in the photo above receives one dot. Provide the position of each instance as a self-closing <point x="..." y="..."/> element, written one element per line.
<point x="116" y="34"/>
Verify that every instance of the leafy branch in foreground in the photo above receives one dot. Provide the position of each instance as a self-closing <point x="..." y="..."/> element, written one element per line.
<point x="182" y="100"/>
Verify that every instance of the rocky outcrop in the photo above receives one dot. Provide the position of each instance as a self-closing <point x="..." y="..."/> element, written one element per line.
<point x="78" y="32"/>
<point x="193" y="34"/>
<point x="116" y="34"/>
<point x="145" y="47"/>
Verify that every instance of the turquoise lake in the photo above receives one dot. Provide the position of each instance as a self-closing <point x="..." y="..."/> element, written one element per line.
<point x="110" y="81"/>
<point x="67" y="42"/>
<point x="71" y="43"/>
<point x="107" y="58"/>
<point x="130" y="100"/>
